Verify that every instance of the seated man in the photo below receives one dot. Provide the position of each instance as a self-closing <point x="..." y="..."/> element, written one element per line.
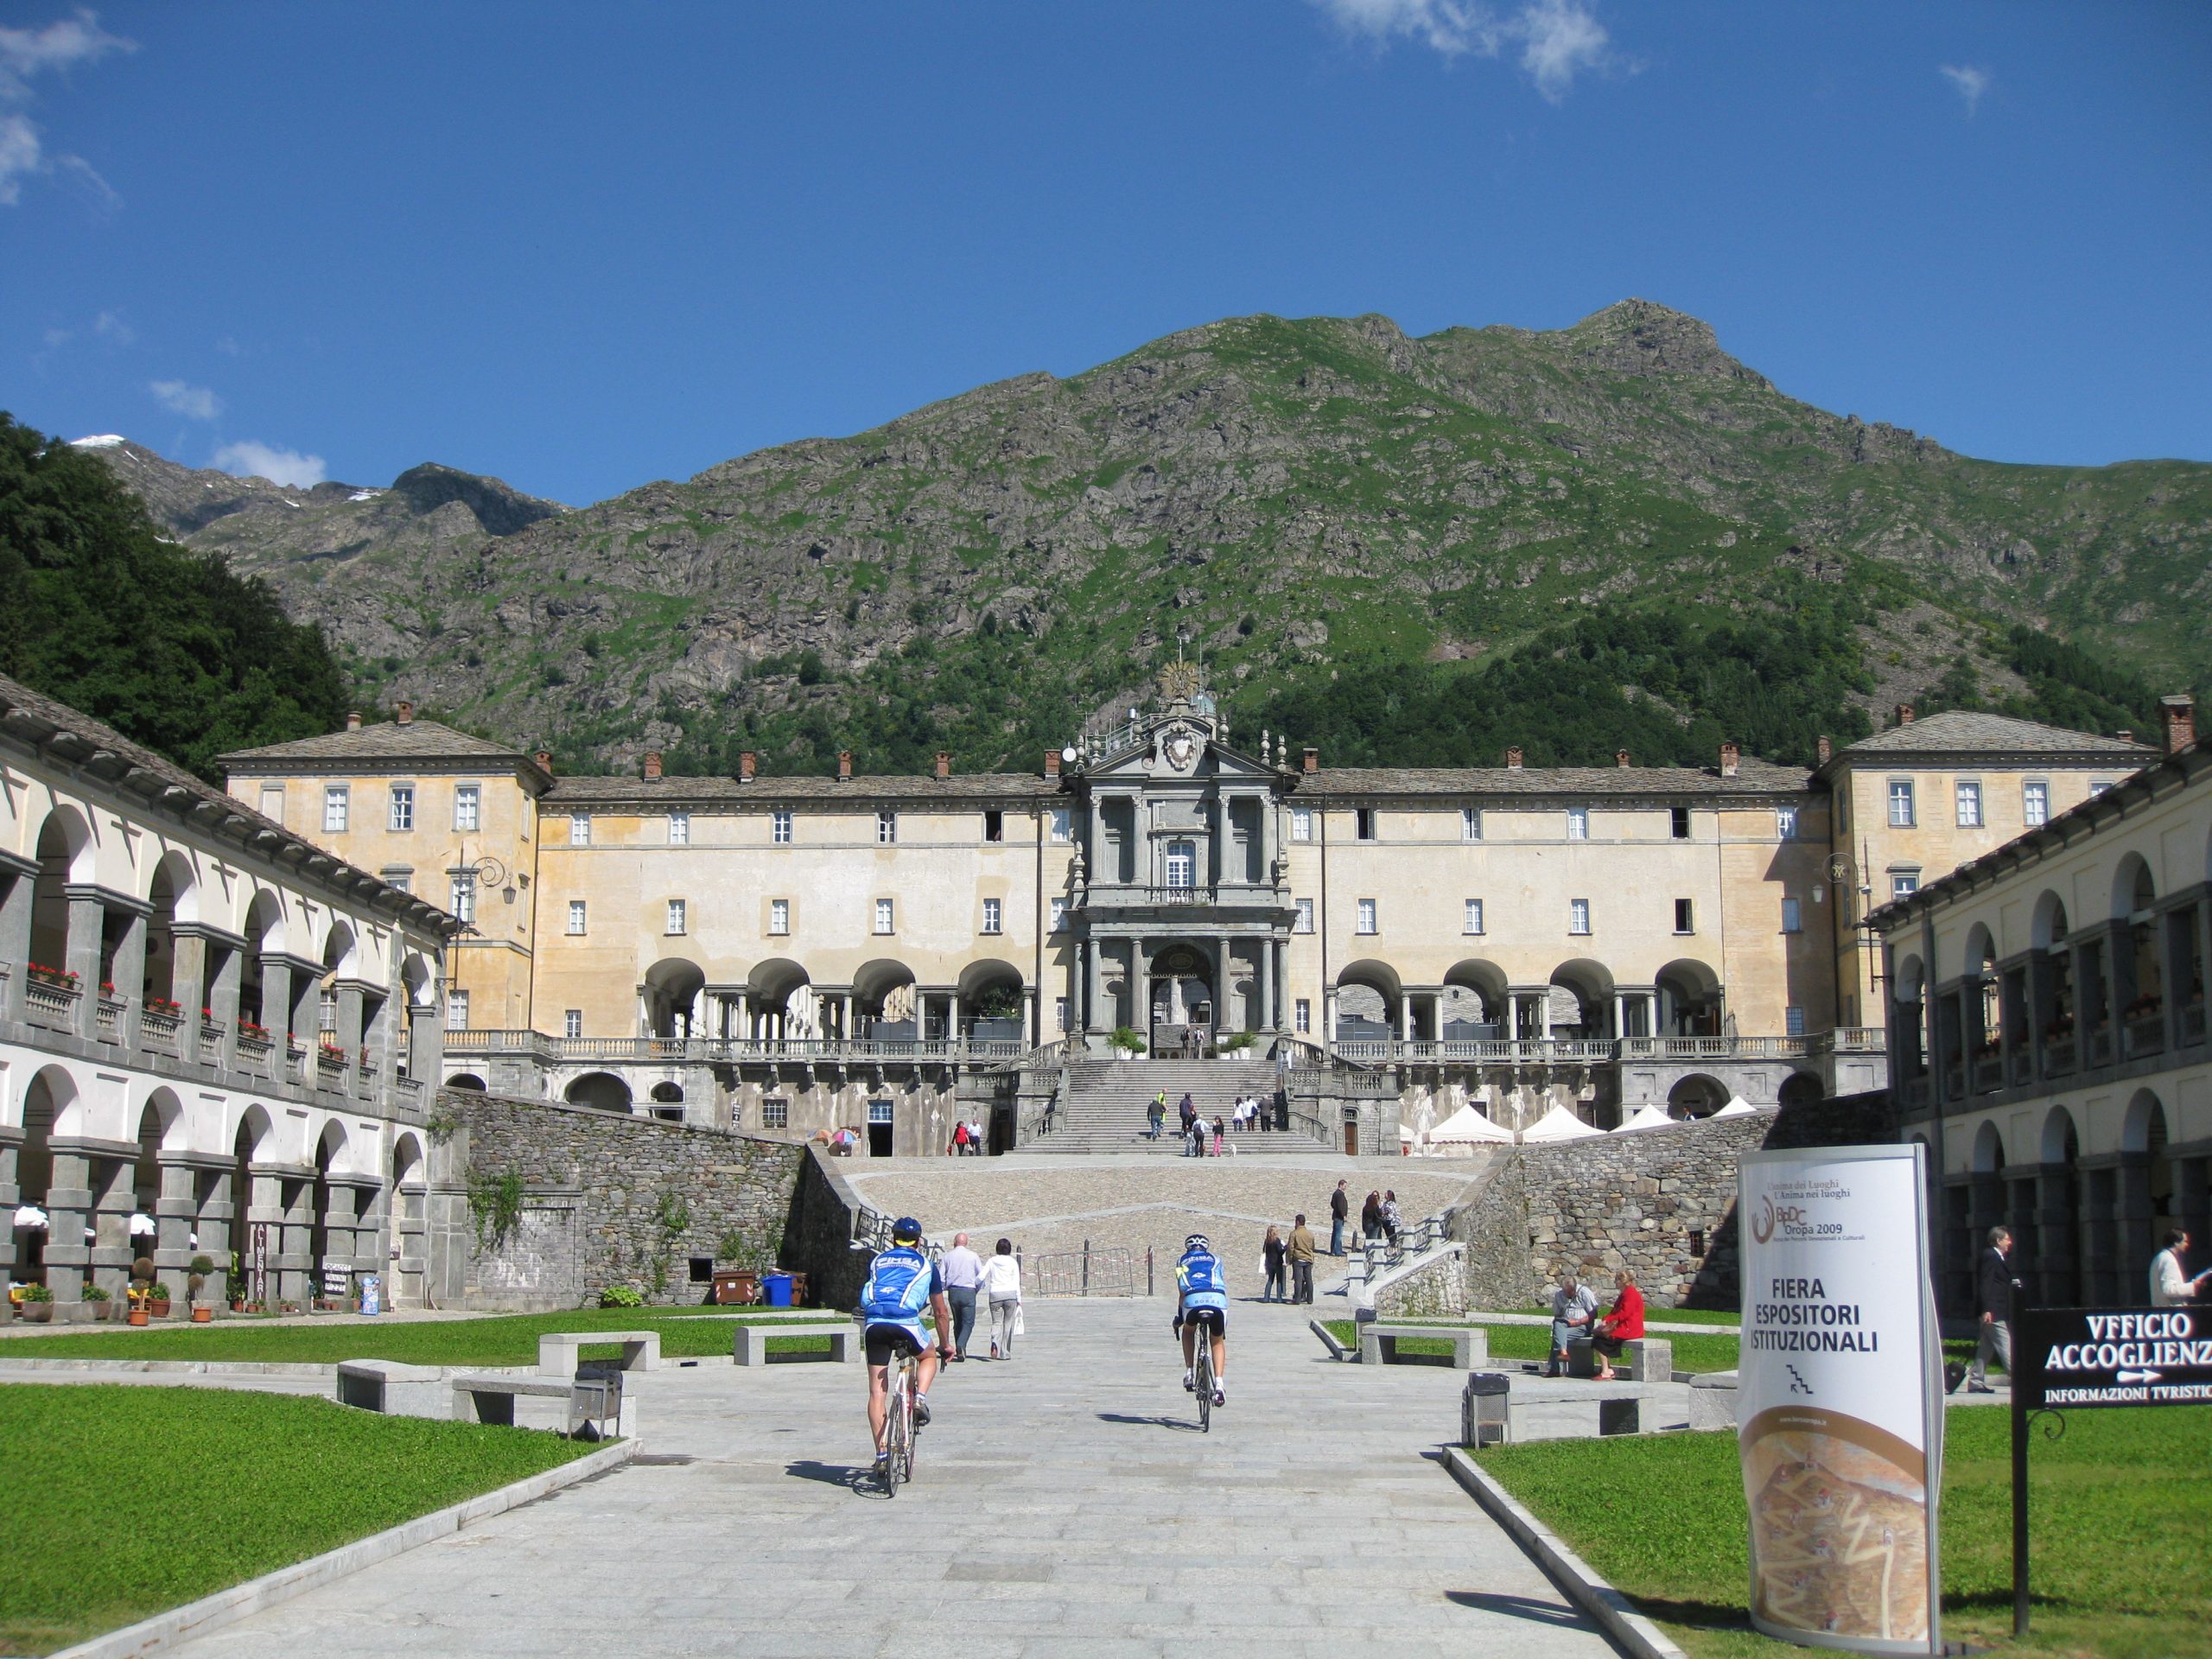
<point x="902" y="1283"/>
<point x="1622" y="1325"/>
<point x="1575" y="1304"/>
<point x="1202" y="1299"/>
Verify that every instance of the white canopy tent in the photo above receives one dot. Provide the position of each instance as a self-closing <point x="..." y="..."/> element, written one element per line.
<point x="1646" y="1116"/>
<point x="1557" y="1124"/>
<point x="1466" y="1127"/>
<point x="1736" y="1107"/>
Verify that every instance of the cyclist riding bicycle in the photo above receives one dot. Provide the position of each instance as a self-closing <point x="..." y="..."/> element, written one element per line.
<point x="1202" y="1300"/>
<point x="902" y="1283"/>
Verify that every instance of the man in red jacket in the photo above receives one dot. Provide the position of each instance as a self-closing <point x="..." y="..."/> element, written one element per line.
<point x="1622" y="1325"/>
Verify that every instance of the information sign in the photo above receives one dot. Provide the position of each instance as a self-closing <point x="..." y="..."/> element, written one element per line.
<point x="2069" y="1357"/>
<point x="1841" y="1392"/>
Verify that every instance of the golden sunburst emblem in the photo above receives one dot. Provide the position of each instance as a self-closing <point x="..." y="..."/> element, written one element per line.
<point x="1180" y="680"/>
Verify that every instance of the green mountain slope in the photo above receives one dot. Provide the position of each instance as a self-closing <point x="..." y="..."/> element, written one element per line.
<point x="1612" y="535"/>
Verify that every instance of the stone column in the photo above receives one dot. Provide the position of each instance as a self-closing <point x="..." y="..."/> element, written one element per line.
<point x="11" y="1194"/>
<point x="1264" y="980"/>
<point x="340" y="1220"/>
<point x="223" y="1003"/>
<point x="291" y="1243"/>
<point x="115" y="1196"/>
<point x="277" y="1006"/>
<point x="189" y="989"/>
<point x="68" y="1206"/>
<point x="1140" y="987"/>
<point x="20" y="875"/>
<point x="87" y="926"/>
<point x="176" y="1215"/>
<point x="1088" y="953"/>
<point x="212" y="1193"/>
<point x="129" y="974"/>
<point x="348" y="1034"/>
<point x="425" y="1043"/>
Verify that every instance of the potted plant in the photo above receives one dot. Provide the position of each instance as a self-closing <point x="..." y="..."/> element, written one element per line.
<point x="157" y="1300"/>
<point x="36" y="1304"/>
<point x="1127" y="1043"/>
<point x="195" y="1282"/>
<point x="96" y="1299"/>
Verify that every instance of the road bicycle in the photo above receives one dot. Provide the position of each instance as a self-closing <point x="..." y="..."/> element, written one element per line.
<point x="1204" y="1375"/>
<point x="899" y="1428"/>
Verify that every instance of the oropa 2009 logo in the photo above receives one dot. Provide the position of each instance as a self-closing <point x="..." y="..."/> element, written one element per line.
<point x="1770" y="1217"/>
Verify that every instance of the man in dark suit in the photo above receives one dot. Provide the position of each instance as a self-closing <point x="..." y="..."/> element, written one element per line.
<point x="1994" y="1287"/>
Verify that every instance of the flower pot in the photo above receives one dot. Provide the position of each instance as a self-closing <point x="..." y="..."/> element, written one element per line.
<point x="201" y="1313"/>
<point x="137" y="1316"/>
<point x="159" y="1309"/>
<point x="36" y="1313"/>
<point x="102" y="1311"/>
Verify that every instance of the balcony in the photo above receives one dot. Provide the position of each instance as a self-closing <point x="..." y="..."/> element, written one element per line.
<point x="2058" y="1056"/>
<point x="2192" y="1023"/>
<point x="51" y="1003"/>
<point x="2019" y="1064"/>
<point x="107" y="1019"/>
<point x="2099" y="1045"/>
<point x="708" y="1050"/>
<point x="1989" y="1073"/>
<point x="2144" y="1033"/>
<point x="1115" y="896"/>
<point x="1913" y="1092"/>
<point x="162" y="1031"/>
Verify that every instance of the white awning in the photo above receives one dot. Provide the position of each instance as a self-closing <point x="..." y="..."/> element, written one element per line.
<point x="1467" y="1125"/>
<point x="1644" y="1117"/>
<point x="1736" y="1107"/>
<point x="1558" y="1124"/>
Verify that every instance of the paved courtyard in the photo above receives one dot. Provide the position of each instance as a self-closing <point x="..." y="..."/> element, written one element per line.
<point x="1064" y="1504"/>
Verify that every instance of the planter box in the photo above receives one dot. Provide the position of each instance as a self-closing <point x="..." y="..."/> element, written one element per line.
<point x="36" y="1313"/>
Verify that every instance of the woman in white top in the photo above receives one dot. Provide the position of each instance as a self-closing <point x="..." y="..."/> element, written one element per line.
<point x="1001" y="1285"/>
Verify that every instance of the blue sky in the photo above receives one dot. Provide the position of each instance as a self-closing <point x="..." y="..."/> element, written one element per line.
<point x="584" y="247"/>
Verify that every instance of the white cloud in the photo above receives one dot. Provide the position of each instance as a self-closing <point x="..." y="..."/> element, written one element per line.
<point x="25" y="53"/>
<point x="194" y="402"/>
<point x="1971" y="80"/>
<point x="1557" y="39"/>
<point x="20" y="157"/>
<point x="108" y="326"/>
<point x="248" y="459"/>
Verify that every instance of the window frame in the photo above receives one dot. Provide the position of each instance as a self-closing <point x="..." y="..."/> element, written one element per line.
<point x="468" y="807"/>
<point x="1793" y="913"/>
<point x="887" y="826"/>
<point x="679" y="829"/>
<point x="2034" y="801"/>
<point x="1901" y="791"/>
<point x="1183" y="855"/>
<point x="579" y="828"/>
<point x="1785" y="823"/>
<point x="338" y="804"/>
<point x="993" y="825"/>
<point x="1470" y="921"/>
<point x="579" y="919"/>
<point x="462" y="894"/>
<point x="1471" y="823"/>
<point x="1301" y="916"/>
<point x="1577" y="823"/>
<point x="780" y="918"/>
<point x="779" y="826"/>
<point x="457" y="1003"/>
<point x="1364" y="825"/>
<point x="1579" y="922"/>
<point x="886" y="920"/>
<point x="1063" y="830"/>
<point x="1903" y="881"/>
<point x="678" y="922"/>
<point x="1368" y="916"/>
<point x="1793" y="1021"/>
<point x="1965" y="795"/>
<point x="399" y="809"/>
<point x="1301" y="823"/>
<point x="1301" y="1015"/>
<point x="1679" y="823"/>
<point x="1056" y="915"/>
<point x="1685" y="917"/>
<point x="994" y="915"/>
<point x="775" y="1112"/>
<point x="572" y="1024"/>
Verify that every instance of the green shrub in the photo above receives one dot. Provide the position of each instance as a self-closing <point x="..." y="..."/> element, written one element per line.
<point x="621" y="1296"/>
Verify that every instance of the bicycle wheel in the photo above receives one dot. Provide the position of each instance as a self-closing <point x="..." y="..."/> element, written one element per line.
<point x="1205" y="1381"/>
<point x="895" y="1438"/>
<point x="913" y="1434"/>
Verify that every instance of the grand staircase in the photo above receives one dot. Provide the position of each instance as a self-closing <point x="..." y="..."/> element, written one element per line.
<point x="1104" y="1111"/>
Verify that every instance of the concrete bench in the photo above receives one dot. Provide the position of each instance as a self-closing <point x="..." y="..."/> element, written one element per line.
<point x="1712" y="1400"/>
<point x="556" y="1350"/>
<point x="749" y="1346"/>
<point x="1644" y="1359"/>
<point x="1379" y="1340"/>
<point x="592" y="1398"/>
<point x="397" y="1390"/>
<point x="1620" y="1410"/>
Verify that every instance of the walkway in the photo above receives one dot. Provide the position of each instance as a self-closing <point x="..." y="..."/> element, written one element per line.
<point x="1064" y="1505"/>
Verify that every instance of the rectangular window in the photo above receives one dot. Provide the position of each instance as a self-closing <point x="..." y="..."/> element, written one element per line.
<point x="779" y="826"/>
<point x="327" y="1014"/>
<point x="464" y="896"/>
<point x="1577" y="823"/>
<point x="2098" y="786"/>
<point x="1793" y="918"/>
<point x="883" y="915"/>
<point x="1900" y="803"/>
<point x="401" y="880"/>
<point x="572" y="1024"/>
<point x="1058" y="916"/>
<point x="1902" y="882"/>
<point x="1793" y="1022"/>
<point x="1474" y="917"/>
<point x="1685" y="917"/>
<point x="990" y="915"/>
<point x="676" y="916"/>
<point x="1367" y="915"/>
<point x="1785" y="823"/>
<point x="1060" y="1014"/>
<point x="579" y="830"/>
<point x="1969" y="798"/>
<point x="1301" y="823"/>
<point x="1302" y="1016"/>
<point x="402" y="807"/>
<point x="1364" y="822"/>
<point x="577" y="916"/>
<point x="679" y="829"/>
<point x="880" y="1112"/>
<point x="2035" y="803"/>
<point x="456" y="1010"/>
<point x="467" y="806"/>
<point x="994" y="824"/>
<point x="1679" y="823"/>
<point x="1062" y="826"/>
<point x="1578" y="916"/>
<point x="272" y="803"/>
<point x="775" y="1114"/>
<point x="886" y="828"/>
<point x="1302" y="920"/>
<point x="1471" y="823"/>
<point x="779" y="915"/>
<point x="335" y="800"/>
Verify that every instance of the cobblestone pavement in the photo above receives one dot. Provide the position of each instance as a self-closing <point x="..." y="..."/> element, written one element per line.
<point x="1064" y="1504"/>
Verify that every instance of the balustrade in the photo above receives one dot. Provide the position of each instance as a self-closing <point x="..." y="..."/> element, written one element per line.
<point x="2145" y="1033"/>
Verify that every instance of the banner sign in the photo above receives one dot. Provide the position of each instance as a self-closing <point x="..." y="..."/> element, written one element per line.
<point x="1842" y="1397"/>
<point x="2065" y="1358"/>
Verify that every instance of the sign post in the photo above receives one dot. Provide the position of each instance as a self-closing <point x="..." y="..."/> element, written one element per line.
<point x="1842" y="1393"/>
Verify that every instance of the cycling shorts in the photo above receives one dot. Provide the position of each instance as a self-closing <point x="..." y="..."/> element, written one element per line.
<point x="884" y="1342"/>
<point x="1206" y="1318"/>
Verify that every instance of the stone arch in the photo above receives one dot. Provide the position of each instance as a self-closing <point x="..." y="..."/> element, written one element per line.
<point x="2145" y="1124"/>
<point x="602" y="1090"/>
<point x="341" y="954"/>
<point x="1474" y="995"/>
<point x="667" y="1093"/>
<point x="255" y="1138"/>
<point x="1588" y="986"/>
<point x="173" y="891"/>
<point x="65" y="856"/>
<point x="2144" y="1142"/>
<point x="1909" y="984"/>
<point x="265" y="934"/>
<point x="884" y="1001"/>
<point x="2133" y="889"/>
<point x="1696" y="1095"/>
<point x="421" y="983"/>
<point x="991" y="998"/>
<point x="50" y="1109"/>
<point x="780" y="993"/>
<point x="1988" y="1149"/>
<point x="1689" y="997"/>
<point x="2061" y="1140"/>
<point x="1370" y="1001"/>
<point x="673" y="987"/>
<point x="467" y="1080"/>
<point x="1980" y="952"/>
<point x="1801" y="1089"/>
<point x="2047" y="930"/>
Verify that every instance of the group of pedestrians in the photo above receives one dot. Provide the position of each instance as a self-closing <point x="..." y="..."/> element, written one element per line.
<point x="1288" y="1263"/>
<point x="968" y="1140"/>
<point x="1247" y="1113"/>
<point x="993" y="1283"/>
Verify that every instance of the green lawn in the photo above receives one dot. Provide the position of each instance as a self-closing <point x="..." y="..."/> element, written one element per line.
<point x="1658" y="1315"/>
<point x="1534" y="1342"/>
<point x="120" y="1502"/>
<point x="495" y="1339"/>
<point x="2119" y="1510"/>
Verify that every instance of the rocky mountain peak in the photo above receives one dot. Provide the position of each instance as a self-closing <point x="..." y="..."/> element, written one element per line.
<point x="1641" y="338"/>
<point x="499" y="507"/>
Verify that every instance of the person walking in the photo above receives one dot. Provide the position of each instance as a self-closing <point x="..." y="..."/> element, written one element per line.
<point x="1993" y="1285"/>
<point x="1001" y="1288"/>
<point x="960" y="1140"/>
<point x="2171" y="1285"/>
<point x="1217" y="1133"/>
<point x="1156" y="1115"/>
<point x="1274" y="1256"/>
<point x="1339" y="1213"/>
<point x="963" y="1271"/>
<point x="1301" y="1251"/>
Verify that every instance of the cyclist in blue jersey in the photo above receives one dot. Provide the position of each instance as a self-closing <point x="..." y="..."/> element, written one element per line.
<point x="902" y="1284"/>
<point x="1202" y="1301"/>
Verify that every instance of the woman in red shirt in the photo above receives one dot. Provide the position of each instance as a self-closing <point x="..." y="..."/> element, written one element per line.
<point x="1623" y="1324"/>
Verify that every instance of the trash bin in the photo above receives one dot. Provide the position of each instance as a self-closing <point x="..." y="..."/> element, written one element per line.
<point x="776" y="1289"/>
<point x="734" y="1285"/>
<point x="1482" y="1409"/>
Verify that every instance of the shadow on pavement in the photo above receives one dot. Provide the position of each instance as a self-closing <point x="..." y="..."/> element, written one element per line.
<point x="1148" y="1422"/>
<point x="858" y="1479"/>
<point x="1528" y="1607"/>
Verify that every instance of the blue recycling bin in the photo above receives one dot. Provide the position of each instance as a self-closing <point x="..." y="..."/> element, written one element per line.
<point x="776" y="1288"/>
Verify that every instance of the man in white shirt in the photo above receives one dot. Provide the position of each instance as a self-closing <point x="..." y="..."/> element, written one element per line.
<point x="2169" y="1286"/>
<point x="964" y="1272"/>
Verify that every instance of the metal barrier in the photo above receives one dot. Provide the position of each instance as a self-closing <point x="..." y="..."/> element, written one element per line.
<point x="1112" y="1271"/>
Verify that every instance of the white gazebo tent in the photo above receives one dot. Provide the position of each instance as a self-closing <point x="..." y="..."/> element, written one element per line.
<point x="1736" y="1107"/>
<point x="1465" y="1128"/>
<point x="1557" y="1124"/>
<point x="1646" y="1116"/>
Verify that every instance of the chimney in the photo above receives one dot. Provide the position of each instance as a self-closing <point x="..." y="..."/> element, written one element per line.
<point x="353" y="720"/>
<point x="545" y="759"/>
<point x="1824" y="750"/>
<point x="652" y="764"/>
<point x="2125" y="735"/>
<point x="403" y="712"/>
<point x="747" y="764"/>
<point x="1513" y="757"/>
<point x="1620" y="758"/>
<point x="2179" y="713"/>
<point x="1904" y="713"/>
<point x="844" y="765"/>
<point x="1052" y="763"/>
<point x="944" y="764"/>
<point x="1312" y="760"/>
<point x="1732" y="757"/>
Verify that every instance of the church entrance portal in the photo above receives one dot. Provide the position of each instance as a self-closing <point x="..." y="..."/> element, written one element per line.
<point x="1182" y="998"/>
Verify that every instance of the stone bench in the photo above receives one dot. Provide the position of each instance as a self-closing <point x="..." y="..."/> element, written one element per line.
<point x="1621" y="1410"/>
<point x="1644" y="1359"/>
<point x="397" y="1390"/>
<point x="749" y="1346"/>
<point x="1712" y="1400"/>
<point x="556" y="1350"/>
<point x="591" y="1399"/>
<point x="1379" y="1340"/>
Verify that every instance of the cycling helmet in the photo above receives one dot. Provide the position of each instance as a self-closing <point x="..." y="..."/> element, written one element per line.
<point x="1198" y="1242"/>
<point x="906" y="1230"/>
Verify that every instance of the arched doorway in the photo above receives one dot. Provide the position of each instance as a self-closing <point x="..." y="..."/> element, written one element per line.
<point x="408" y="1208"/>
<point x="781" y="1001"/>
<point x="602" y="1089"/>
<point x="1370" y="1003"/>
<point x="1473" y="1008"/>
<point x="1689" y="1000"/>
<point x="1696" y="1095"/>
<point x="1580" y="1005"/>
<point x="467" y="1080"/>
<point x="1185" y="1000"/>
<point x="885" y="1009"/>
<point x="672" y="993"/>
<point x="990" y="1002"/>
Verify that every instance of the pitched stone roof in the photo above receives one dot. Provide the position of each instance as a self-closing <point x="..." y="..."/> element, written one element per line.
<point x="388" y="739"/>
<point x="658" y="794"/>
<point x="1963" y="731"/>
<point x="1753" y="777"/>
